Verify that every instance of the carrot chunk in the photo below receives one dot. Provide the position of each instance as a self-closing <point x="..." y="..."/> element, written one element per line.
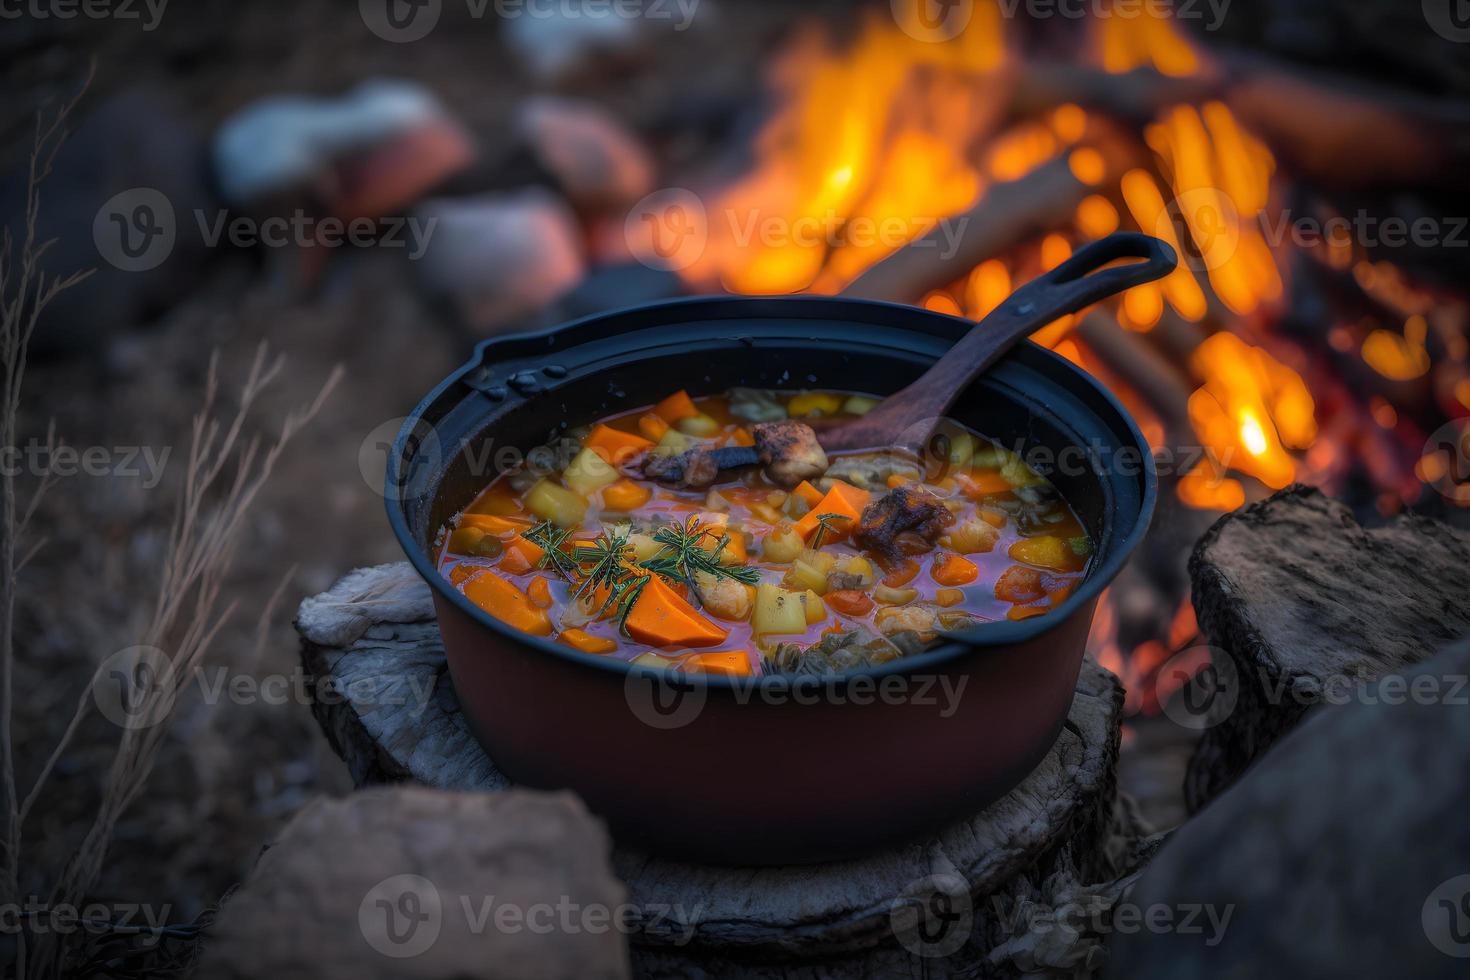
<point x="850" y="602"/>
<point x="464" y="570"/>
<point x="949" y="597"/>
<point x="1026" y="612"/>
<point x="1019" y="584"/>
<point x="539" y="592"/>
<point x="844" y="500"/>
<point x="625" y="495"/>
<point x="520" y="556"/>
<point x="675" y="407"/>
<point x="508" y="604"/>
<point x="615" y="445"/>
<point x="661" y="618"/>
<point x="725" y="663"/>
<point x="493" y="523"/>
<point x="951" y="569"/>
<point x="983" y="483"/>
<point x="809" y="493"/>
<point x="742" y="437"/>
<point x="652" y="425"/>
<point x="902" y="575"/>
<point x="586" y="642"/>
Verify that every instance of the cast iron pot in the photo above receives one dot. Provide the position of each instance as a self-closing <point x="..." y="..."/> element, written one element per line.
<point x="775" y="770"/>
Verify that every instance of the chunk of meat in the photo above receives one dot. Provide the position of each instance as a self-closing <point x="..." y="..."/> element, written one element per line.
<point x="695" y="468"/>
<point x="903" y="510"/>
<point x="789" y="451"/>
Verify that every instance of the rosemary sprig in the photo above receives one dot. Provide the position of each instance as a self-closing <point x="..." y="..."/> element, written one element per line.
<point x="824" y="527"/>
<point x="551" y="539"/>
<point x="607" y="556"/>
<point x="625" y="594"/>
<point x="683" y="557"/>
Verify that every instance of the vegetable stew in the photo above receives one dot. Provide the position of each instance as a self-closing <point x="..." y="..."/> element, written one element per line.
<point x="736" y="573"/>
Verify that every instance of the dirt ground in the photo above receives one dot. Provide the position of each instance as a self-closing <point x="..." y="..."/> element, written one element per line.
<point x="231" y="773"/>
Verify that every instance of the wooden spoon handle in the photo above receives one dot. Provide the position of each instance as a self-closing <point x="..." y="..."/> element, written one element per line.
<point x="904" y="420"/>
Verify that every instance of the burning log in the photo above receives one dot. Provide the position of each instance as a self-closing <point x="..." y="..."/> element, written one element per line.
<point x="1143" y="368"/>
<point x="393" y="717"/>
<point x="1005" y="216"/>
<point x="1308" y="604"/>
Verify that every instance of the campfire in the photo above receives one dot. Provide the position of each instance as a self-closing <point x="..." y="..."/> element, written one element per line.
<point x="976" y="143"/>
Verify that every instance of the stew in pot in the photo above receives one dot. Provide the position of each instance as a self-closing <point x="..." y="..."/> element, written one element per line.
<point x="645" y="548"/>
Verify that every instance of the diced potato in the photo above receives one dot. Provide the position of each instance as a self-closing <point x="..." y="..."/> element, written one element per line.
<point x="464" y="539"/>
<point x="783" y="544"/>
<point x="859" y="405"/>
<point x="890" y="596"/>
<point x="861" y="567"/>
<point x="816" y="610"/>
<point x="651" y="660"/>
<point x="716" y="501"/>
<point x="971" y="537"/>
<point x="804" y="577"/>
<point x="1018" y="474"/>
<point x="1047" y="551"/>
<point x="777" y="611"/>
<point x="672" y="443"/>
<point x="698" y="425"/>
<point x="961" y="448"/>
<point x="556" y="504"/>
<point x="921" y="619"/>
<point x="822" y="561"/>
<point x="723" y="597"/>
<point x="588" y="473"/>
<point x="644" y="547"/>
<point x="814" y="403"/>
<point x="949" y="597"/>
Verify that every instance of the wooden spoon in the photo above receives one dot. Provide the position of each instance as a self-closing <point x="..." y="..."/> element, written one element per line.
<point x="904" y="420"/>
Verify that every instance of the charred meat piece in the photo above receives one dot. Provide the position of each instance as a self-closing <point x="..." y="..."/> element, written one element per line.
<point x="903" y="510"/>
<point x="790" y="452"/>
<point x="696" y="468"/>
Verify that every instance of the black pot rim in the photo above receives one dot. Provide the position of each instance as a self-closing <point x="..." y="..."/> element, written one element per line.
<point x="984" y="637"/>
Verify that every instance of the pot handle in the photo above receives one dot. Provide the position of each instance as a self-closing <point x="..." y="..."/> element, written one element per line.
<point x="1078" y="283"/>
<point x="904" y="419"/>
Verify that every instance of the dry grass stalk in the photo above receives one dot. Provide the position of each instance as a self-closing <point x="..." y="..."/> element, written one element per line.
<point x="226" y="470"/>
